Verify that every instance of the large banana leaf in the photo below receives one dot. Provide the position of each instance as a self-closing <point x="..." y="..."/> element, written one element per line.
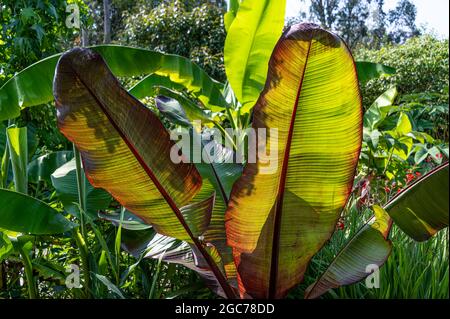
<point x="369" y="246"/>
<point x="124" y="147"/>
<point x="33" y="85"/>
<point x="369" y="70"/>
<point x="148" y="85"/>
<point x="278" y="219"/>
<point x="64" y="180"/>
<point x="126" y="150"/>
<point x="420" y="211"/>
<point x="22" y="213"/>
<point x="43" y="167"/>
<point x="251" y="38"/>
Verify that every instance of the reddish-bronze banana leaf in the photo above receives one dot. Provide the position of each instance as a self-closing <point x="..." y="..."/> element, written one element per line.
<point x="126" y="150"/>
<point x="277" y="220"/>
<point x="420" y="210"/>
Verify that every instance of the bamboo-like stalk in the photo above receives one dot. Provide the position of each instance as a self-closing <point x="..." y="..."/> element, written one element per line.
<point x="81" y="239"/>
<point x="81" y="185"/>
<point x="31" y="284"/>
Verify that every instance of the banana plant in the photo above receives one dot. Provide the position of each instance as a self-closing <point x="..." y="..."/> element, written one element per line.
<point x="21" y="214"/>
<point x="271" y="220"/>
<point x="252" y="238"/>
<point x="420" y="210"/>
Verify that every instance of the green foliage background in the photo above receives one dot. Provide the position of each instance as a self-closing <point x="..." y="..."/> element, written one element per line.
<point x="422" y="65"/>
<point x="34" y="29"/>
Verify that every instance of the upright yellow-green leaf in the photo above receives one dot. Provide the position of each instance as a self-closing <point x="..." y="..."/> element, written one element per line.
<point x="378" y="111"/>
<point x="228" y="18"/>
<point x="280" y="214"/>
<point x="401" y="133"/>
<point x="18" y="150"/>
<point x="249" y="44"/>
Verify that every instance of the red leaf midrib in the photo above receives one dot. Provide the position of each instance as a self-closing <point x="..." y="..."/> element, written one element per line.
<point x="272" y="293"/>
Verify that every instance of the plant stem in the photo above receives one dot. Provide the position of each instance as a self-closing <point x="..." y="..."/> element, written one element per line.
<point x="151" y="295"/>
<point x="226" y="135"/>
<point x="388" y="161"/>
<point x="81" y="239"/>
<point x="81" y="190"/>
<point x="117" y="245"/>
<point x="4" y="168"/>
<point x="231" y="118"/>
<point x="84" y="253"/>
<point x="32" y="292"/>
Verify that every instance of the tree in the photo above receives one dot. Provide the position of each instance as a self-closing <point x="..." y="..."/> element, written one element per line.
<point x="351" y="22"/>
<point x="106" y="21"/>
<point x="325" y="11"/>
<point x="377" y="30"/>
<point x="365" y="23"/>
<point x="403" y="18"/>
<point x="179" y="27"/>
<point x="30" y="31"/>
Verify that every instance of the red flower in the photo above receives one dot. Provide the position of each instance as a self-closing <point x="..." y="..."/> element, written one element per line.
<point x="409" y="177"/>
<point x="399" y="190"/>
<point x="438" y="155"/>
<point x="387" y="189"/>
<point x="340" y="225"/>
<point x="418" y="174"/>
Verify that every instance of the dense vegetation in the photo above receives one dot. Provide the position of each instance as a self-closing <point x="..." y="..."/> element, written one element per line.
<point x="405" y="137"/>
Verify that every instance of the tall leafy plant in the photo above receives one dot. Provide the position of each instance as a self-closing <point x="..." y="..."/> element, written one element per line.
<point x="252" y="238"/>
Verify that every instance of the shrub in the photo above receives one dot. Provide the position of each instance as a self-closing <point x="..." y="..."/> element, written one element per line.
<point x="422" y="66"/>
<point x="194" y="32"/>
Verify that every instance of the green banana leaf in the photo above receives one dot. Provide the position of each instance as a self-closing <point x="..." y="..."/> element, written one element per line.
<point x="249" y="44"/>
<point x="422" y="209"/>
<point x="368" y="247"/>
<point x="43" y="167"/>
<point x="22" y="213"/>
<point x="64" y="180"/>
<point x="228" y="18"/>
<point x="33" y="85"/>
<point x="369" y="70"/>
<point x="18" y="152"/>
